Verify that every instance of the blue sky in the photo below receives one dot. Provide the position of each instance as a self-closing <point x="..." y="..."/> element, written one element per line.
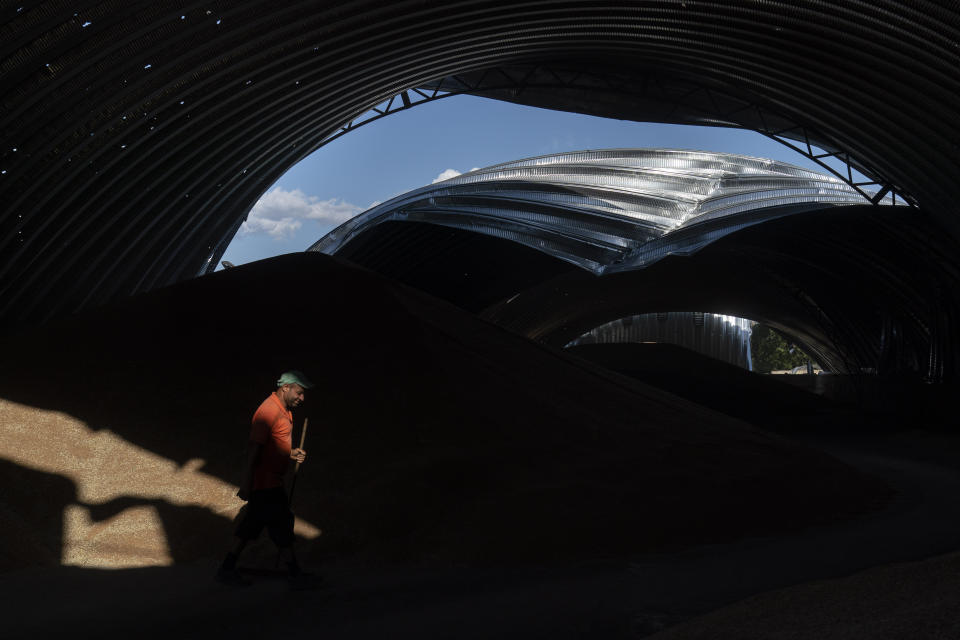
<point x="412" y="148"/>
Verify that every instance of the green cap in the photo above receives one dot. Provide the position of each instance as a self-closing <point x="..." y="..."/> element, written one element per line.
<point x="294" y="377"/>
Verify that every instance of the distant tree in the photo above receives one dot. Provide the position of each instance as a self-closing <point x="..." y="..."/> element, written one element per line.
<point x="772" y="352"/>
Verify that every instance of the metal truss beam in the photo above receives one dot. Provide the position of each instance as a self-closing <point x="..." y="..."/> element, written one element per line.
<point x="673" y="96"/>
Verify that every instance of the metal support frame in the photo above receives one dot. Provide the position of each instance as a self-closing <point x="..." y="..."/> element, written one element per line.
<point x="516" y="80"/>
<point x="884" y="188"/>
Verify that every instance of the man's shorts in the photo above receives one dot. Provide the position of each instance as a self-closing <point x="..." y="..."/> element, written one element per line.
<point x="267" y="508"/>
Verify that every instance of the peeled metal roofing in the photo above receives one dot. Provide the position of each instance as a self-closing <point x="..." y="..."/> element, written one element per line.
<point x="135" y="136"/>
<point x="608" y="210"/>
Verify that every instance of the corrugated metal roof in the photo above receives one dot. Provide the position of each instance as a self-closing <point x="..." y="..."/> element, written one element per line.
<point x="137" y="135"/>
<point x="608" y="210"/>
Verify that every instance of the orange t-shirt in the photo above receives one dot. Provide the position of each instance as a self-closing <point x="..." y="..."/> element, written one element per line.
<point x="273" y="428"/>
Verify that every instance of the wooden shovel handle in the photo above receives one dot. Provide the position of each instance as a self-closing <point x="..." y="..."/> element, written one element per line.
<point x="303" y="438"/>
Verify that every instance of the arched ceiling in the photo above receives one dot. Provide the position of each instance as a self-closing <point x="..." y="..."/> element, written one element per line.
<point x="137" y="135"/>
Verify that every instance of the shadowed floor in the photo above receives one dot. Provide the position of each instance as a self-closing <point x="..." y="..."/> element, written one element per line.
<point x="453" y="467"/>
<point x="630" y="597"/>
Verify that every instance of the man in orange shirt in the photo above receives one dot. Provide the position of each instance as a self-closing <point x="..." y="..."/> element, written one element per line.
<point x="269" y="455"/>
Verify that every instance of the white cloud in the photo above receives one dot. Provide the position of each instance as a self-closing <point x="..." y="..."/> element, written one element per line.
<point x="279" y="213"/>
<point x="446" y="175"/>
<point x="279" y="229"/>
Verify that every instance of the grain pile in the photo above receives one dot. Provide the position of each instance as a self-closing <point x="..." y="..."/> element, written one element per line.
<point x="758" y="399"/>
<point x="435" y="438"/>
<point x="908" y="600"/>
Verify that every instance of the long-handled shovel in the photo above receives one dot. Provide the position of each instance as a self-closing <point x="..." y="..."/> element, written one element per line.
<point x="296" y="468"/>
<point x="293" y="483"/>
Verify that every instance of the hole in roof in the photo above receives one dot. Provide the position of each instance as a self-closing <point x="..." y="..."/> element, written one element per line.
<point x="499" y="132"/>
